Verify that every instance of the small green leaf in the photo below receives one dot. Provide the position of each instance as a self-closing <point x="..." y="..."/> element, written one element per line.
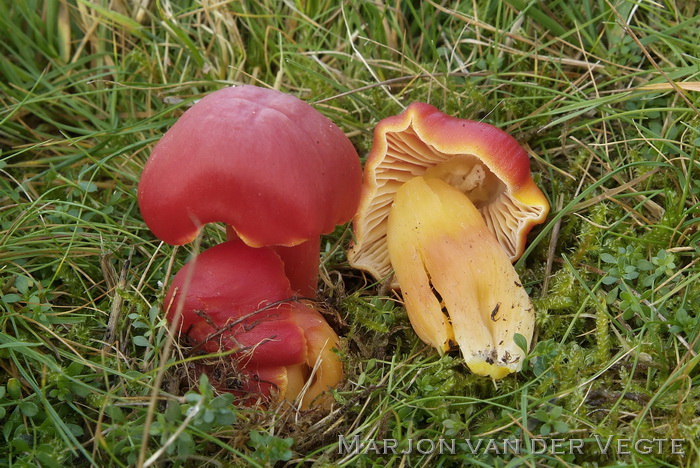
<point x="28" y="409"/>
<point x="222" y="401"/>
<point x="88" y="187"/>
<point x="80" y="389"/>
<point x="208" y="416"/>
<point x="608" y="280"/>
<point x="173" y="412"/>
<point x="7" y="429"/>
<point x="74" y="369"/>
<point x="555" y="413"/>
<point x="22" y="284"/>
<point x="561" y="427"/>
<point x="185" y="444"/>
<point x="520" y="342"/>
<point x="631" y="275"/>
<point x="14" y="388"/>
<point x="115" y="413"/>
<point x="607" y="258"/>
<point x="226" y="419"/>
<point x="75" y="429"/>
<point x="153" y="313"/>
<point x="141" y="341"/>
<point x="11" y="298"/>
<point x="20" y="444"/>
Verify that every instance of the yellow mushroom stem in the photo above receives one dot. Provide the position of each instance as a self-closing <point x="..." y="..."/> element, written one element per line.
<point x="457" y="282"/>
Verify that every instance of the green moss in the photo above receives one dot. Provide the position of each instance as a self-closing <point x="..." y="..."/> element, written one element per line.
<point x="603" y="340"/>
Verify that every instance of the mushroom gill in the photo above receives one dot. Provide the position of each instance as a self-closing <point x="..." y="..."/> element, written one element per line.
<point x="482" y="161"/>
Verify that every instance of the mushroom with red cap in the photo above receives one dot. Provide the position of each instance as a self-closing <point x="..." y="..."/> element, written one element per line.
<point x="446" y="205"/>
<point x="237" y="298"/>
<point x="267" y="164"/>
<point x="278" y="174"/>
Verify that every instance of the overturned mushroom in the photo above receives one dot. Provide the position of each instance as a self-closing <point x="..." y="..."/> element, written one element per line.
<point x="238" y="299"/>
<point x="447" y="205"/>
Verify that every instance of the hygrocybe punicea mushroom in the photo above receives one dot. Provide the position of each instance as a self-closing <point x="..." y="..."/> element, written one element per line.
<point x="267" y="164"/>
<point x="279" y="174"/>
<point x="240" y="300"/>
<point x="447" y="204"/>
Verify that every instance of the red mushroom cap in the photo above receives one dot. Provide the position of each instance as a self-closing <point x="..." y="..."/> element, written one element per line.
<point x="235" y="299"/>
<point x="230" y="282"/>
<point x="264" y="162"/>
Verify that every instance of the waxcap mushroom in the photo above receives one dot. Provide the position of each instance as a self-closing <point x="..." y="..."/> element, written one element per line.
<point x="482" y="161"/>
<point x="267" y="164"/>
<point x="238" y="299"/>
<point x="264" y="162"/>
